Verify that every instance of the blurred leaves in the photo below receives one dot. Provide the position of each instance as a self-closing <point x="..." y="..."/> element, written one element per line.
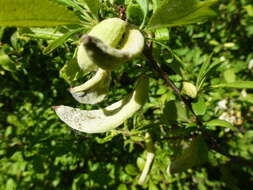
<point x="6" y="63"/>
<point x="194" y="155"/>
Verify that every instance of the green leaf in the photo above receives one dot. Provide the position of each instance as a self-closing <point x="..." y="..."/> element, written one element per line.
<point x="199" y="107"/>
<point x="6" y="63"/>
<point x="14" y="120"/>
<point x="70" y="3"/>
<point x="40" y="33"/>
<point x="144" y="7"/>
<point x="56" y="43"/>
<point x="134" y="14"/>
<point x="174" y="111"/>
<point x="35" y="13"/>
<point x="131" y="169"/>
<point x="221" y="123"/>
<point x="11" y="184"/>
<point x="107" y="138"/>
<point x="181" y="12"/>
<point x="92" y="5"/>
<point x="205" y="71"/>
<point x="156" y="4"/>
<point x="229" y="75"/>
<point x="178" y="66"/>
<point x="71" y="71"/>
<point x="140" y="163"/>
<point x="122" y="187"/>
<point x="194" y="155"/>
<point x="162" y="34"/>
<point x="249" y="9"/>
<point x="152" y="186"/>
<point x="1" y="32"/>
<point x="238" y="84"/>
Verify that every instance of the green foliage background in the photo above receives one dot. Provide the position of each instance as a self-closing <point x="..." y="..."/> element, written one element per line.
<point x="38" y="151"/>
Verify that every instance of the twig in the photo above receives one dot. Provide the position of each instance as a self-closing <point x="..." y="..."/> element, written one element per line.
<point x="148" y="54"/>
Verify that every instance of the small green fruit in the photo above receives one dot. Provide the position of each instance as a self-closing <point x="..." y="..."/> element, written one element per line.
<point x="189" y="89"/>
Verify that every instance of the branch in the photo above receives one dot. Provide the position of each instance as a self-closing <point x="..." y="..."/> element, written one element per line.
<point x="148" y="54"/>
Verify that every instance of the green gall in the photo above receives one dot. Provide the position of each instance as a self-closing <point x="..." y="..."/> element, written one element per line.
<point x="106" y="119"/>
<point x="94" y="90"/>
<point x="109" y="58"/>
<point x="110" y="32"/>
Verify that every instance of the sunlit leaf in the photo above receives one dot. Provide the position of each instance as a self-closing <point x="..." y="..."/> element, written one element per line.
<point x="229" y="75"/>
<point x="144" y="7"/>
<point x="6" y="63"/>
<point x="162" y="34"/>
<point x="220" y="123"/>
<point x="40" y="33"/>
<point x="131" y="169"/>
<point x="199" y="107"/>
<point x="71" y="71"/>
<point x="249" y="9"/>
<point x="238" y="84"/>
<point x="181" y="12"/>
<point x="35" y="13"/>
<point x="92" y="5"/>
<point x="70" y="3"/>
<point x="56" y="43"/>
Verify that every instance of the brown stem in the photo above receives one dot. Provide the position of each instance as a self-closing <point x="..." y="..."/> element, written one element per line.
<point x="148" y="54"/>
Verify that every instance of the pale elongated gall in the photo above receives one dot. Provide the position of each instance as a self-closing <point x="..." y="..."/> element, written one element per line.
<point x="94" y="90"/>
<point x="106" y="119"/>
<point x="110" y="32"/>
<point x="149" y="158"/>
